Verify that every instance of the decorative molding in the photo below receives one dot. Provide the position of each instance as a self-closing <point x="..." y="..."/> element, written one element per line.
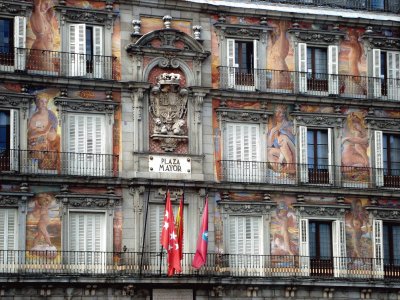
<point x="14" y="199"/>
<point x="382" y="42"/>
<point x="243" y="115"/>
<point x="89" y="201"/>
<point x="246" y="207"/>
<point x="383" y="123"/>
<point x="322" y="120"/>
<point x="92" y="16"/>
<point x="384" y="213"/>
<point x="317" y="36"/>
<point x="328" y="211"/>
<point x="15" y="8"/>
<point x="243" y="31"/>
<point x="8" y="200"/>
<point x="13" y="100"/>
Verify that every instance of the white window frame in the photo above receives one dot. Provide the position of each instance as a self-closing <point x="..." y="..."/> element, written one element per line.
<point x="14" y="137"/>
<point x="9" y="255"/>
<point x="19" y="36"/>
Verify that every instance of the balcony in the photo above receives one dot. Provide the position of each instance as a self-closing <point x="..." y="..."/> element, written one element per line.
<point x="32" y="162"/>
<point x="370" y="5"/>
<point x="136" y="264"/>
<point x="55" y="63"/>
<point x="302" y="174"/>
<point x="315" y="84"/>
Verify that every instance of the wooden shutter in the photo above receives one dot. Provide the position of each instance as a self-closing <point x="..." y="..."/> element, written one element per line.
<point x="14" y="139"/>
<point x="376" y="72"/>
<point x="304" y="248"/>
<point x="230" y="55"/>
<point x="378" y="248"/>
<point x="256" y="72"/>
<point x="333" y="69"/>
<point x="303" y="154"/>
<point x="331" y="156"/>
<point x="393" y="67"/>
<point x="8" y="229"/>
<point x="20" y="42"/>
<point x="339" y="248"/>
<point x="98" y="60"/>
<point x="379" y="171"/>
<point x="156" y="217"/>
<point x="77" y="49"/>
<point x="302" y="67"/>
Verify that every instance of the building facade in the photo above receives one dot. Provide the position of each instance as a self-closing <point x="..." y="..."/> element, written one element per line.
<point x="285" y="113"/>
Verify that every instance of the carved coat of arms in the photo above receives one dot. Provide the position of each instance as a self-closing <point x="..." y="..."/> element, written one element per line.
<point x="168" y="108"/>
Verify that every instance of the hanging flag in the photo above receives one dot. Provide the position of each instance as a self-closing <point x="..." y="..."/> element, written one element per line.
<point x="169" y="239"/>
<point x="200" y="257"/>
<point x="179" y="226"/>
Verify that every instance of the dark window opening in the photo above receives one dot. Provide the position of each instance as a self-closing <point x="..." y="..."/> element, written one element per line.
<point x="318" y="155"/>
<point x="6" y="41"/>
<point x="384" y="73"/>
<point x="391" y="249"/>
<point x="5" y="140"/>
<point x="391" y="159"/>
<point x="317" y="69"/>
<point x="89" y="49"/>
<point x="320" y="247"/>
<point x="244" y="61"/>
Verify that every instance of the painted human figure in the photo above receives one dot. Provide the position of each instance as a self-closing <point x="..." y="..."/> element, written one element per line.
<point x="42" y="212"/>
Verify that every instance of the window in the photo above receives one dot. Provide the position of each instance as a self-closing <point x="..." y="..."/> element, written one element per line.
<point x="87" y="240"/>
<point x="86" y="50"/>
<point x="386" y="73"/>
<point x="242" y="152"/>
<point x="8" y="139"/>
<point x="322" y="247"/>
<point x="8" y="236"/>
<point x="242" y="61"/>
<point x="318" y="69"/>
<point x="12" y="43"/>
<point x="316" y="155"/>
<point x="86" y="145"/>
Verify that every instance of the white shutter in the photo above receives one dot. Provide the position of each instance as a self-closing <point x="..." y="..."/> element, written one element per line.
<point x="331" y="163"/>
<point x="333" y="69"/>
<point x="303" y="154"/>
<point x="339" y="248"/>
<point x="376" y="72"/>
<point x="20" y="42"/>
<point x="304" y="248"/>
<point x="302" y="67"/>
<point x="77" y="49"/>
<point x="98" y="59"/>
<point x="378" y="248"/>
<point x="393" y="67"/>
<point x="255" y="64"/>
<point x="8" y="239"/>
<point x="14" y="139"/>
<point x="156" y="217"/>
<point x="379" y="159"/>
<point x="230" y="55"/>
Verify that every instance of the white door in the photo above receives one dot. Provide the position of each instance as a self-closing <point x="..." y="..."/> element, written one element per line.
<point x="77" y="50"/>
<point x="378" y="248"/>
<point x="87" y="241"/>
<point x="339" y="248"/>
<point x="393" y="67"/>
<point x="379" y="171"/>
<point x="302" y="67"/>
<point x="376" y="73"/>
<point x="242" y="153"/>
<point x="304" y="249"/>
<point x="98" y="59"/>
<point x="231" y="62"/>
<point x="333" y="69"/>
<point x="86" y="145"/>
<point x="20" y="43"/>
<point x="9" y="255"/>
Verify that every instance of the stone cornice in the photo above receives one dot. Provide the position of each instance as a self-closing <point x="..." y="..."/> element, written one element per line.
<point x="244" y="115"/>
<point x="256" y="207"/>
<point x="243" y="30"/>
<point x="382" y="42"/>
<point x="15" y="8"/>
<point x="317" y="36"/>
<point x="377" y="123"/>
<point x="327" y="211"/>
<point x="384" y="213"/>
<point x="91" y="16"/>
<point x="16" y="100"/>
<point x="108" y="201"/>
<point x="320" y="120"/>
<point x="85" y="105"/>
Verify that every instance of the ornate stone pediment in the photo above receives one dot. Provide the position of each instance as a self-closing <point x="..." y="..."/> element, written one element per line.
<point x="317" y="36"/>
<point x="326" y="211"/>
<point x="171" y="43"/>
<point x="15" y="8"/>
<point x="239" y="207"/>
<point x="244" y="115"/>
<point x="14" y="100"/>
<point x="382" y="42"/>
<point x="320" y="120"/>
<point x="383" y="213"/>
<point x="89" y="201"/>
<point x="243" y="31"/>
<point x="383" y="123"/>
<point x="8" y="200"/>
<point x="92" y="16"/>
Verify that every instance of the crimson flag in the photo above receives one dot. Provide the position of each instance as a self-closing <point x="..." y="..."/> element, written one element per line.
<point x="179" y="226"/>
<point x="169" y="239"/>
<point x="200" y="257"/>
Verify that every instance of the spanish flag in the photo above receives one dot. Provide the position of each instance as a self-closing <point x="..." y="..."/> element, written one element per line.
<point x="179" y="226"/>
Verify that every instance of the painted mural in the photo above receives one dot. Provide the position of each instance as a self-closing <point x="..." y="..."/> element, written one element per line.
<point x="149" y="24"/>
<point x="43" y="226"/>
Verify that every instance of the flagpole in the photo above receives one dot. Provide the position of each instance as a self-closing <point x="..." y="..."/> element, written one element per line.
<point x="161" y="252"/>
<point x="145" y="228"/>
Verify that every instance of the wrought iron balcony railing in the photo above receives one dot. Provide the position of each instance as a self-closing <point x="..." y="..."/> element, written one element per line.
<point x="370" y="5"/>
<point x="303" y="174"/>
<point x="317" y="84"/>
<point x="56" y="63"/>
<point x="58" y="163"/>
<point x="137" y="264"/>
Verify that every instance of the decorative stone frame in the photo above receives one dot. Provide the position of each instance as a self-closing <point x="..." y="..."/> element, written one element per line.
<point x="105" y="18"/>
<point x="316" y="37"/>
<point x="321" y="212"/>
<point x="261" y="209"/>
<point x="72" y="105"/>
<point x="90" y="204"/>
<point x="381" y="42"/>
<point x="384" y="213"/>
<point x="15" y="8"/>
<point x="18" y="200"/>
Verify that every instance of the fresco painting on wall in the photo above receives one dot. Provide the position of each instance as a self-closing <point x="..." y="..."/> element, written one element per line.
<point x="44" y="132"/>
<point x="358" y="234"/>
<point x="43" y="226"/>
<point x="355" y="150"/>
<point x="281" y="147"/>
<point x="284" y="231"/>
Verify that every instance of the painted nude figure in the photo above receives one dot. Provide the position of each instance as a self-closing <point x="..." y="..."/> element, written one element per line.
<point x="42" y="212"/>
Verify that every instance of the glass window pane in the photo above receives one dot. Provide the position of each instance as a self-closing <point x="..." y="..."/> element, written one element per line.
<point x="325" y="240"/>
<point x="312" y="232"/>
<point x="396" y="244"/>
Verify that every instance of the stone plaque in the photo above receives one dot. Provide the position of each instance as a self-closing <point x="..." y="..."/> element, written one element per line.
<point x="170" y="164"/>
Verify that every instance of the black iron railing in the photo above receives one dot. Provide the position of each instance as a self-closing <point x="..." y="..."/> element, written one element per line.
<point x="317" y="84"/>
<point x="217" y="265"/>
<point x="298" y="174"/>
<point x="61" y="163"/>
<point x="370" y="5"/>
<point x="56" y="63"/>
